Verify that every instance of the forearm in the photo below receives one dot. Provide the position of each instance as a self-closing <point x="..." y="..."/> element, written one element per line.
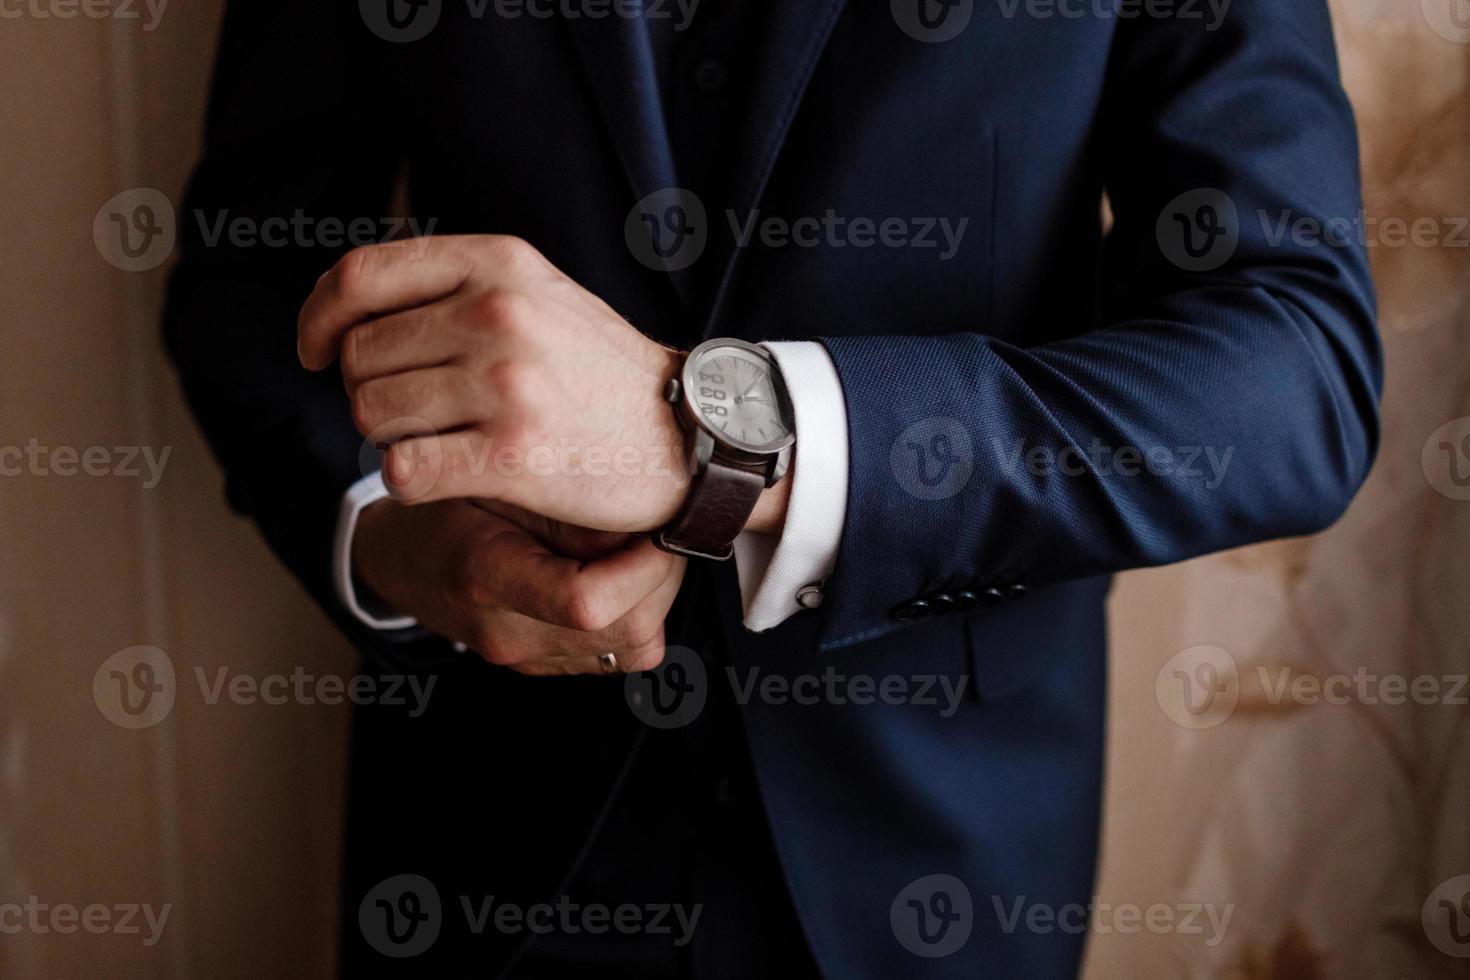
<point x="981" y="464"/>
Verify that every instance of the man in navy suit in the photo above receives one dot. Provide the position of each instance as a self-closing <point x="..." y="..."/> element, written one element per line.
<point x="929" y="409"/>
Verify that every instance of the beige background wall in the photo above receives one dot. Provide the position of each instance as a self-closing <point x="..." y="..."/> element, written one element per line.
<point x="1323" y="828"/>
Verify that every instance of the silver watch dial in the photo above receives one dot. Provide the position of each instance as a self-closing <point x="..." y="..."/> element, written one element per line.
<point x="738" y="395"/>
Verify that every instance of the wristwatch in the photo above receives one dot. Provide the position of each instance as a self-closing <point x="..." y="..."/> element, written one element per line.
<point x="730" y="398"/>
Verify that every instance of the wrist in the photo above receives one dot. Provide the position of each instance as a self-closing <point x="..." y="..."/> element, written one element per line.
<point x="769" y="516"/>
<point x="370" y="550"/>
<point x="670" y="487"/>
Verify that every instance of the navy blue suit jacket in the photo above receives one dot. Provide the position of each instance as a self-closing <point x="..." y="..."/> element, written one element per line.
<point x="1014" y="370"/>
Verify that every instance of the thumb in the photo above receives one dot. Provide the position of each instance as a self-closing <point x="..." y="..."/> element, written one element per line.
<point x="581" y="595"/>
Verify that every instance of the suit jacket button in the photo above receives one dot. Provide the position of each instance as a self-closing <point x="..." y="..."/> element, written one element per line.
<point x="725" y="792"/>
<point x="710" y="76"/>
<point x="941" y="603"/>
<point x="965" y="601"/>
<point x="989" y="597"/>
<point x="1015" y="591"/>
<point x="911" y="610"/>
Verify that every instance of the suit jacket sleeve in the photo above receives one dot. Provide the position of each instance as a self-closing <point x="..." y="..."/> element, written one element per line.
<point x="292" y="157"/>
<point x="1272" y="356"/>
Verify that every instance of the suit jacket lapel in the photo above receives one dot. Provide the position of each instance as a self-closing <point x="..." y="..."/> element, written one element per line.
<point x="618" y="60"/>
<point x="794" y="42"/>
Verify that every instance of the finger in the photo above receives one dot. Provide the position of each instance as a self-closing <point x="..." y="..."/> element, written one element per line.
<point x="636" y="641"/>
<point x="647" y="657"/>
<point x="441" y="466"/>
<point x="417" y="403"/>
<point x="420" y="338"/>
<point x="585" y="597"/>
<point x="374" y="280"/>
<point x="566" y="540"/>
<point x="557" y="667"/>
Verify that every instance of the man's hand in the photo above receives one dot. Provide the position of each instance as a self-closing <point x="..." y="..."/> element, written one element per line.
<point x="487" y="580"/>
<point x="488" y="373"/>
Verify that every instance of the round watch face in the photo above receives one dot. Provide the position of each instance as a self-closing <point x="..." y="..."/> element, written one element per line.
<point x="739" y="396"/>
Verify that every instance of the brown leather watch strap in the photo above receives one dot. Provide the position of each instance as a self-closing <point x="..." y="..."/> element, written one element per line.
<point x="720" y="500"/>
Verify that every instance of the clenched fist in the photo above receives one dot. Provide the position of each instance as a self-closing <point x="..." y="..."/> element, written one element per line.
<point x="488" y="373"/>
<point x="523" y="592"/>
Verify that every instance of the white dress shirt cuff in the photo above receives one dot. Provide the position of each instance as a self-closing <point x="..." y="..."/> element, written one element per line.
<point x="773" y="570"/>
<point x="369" y="489"/>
